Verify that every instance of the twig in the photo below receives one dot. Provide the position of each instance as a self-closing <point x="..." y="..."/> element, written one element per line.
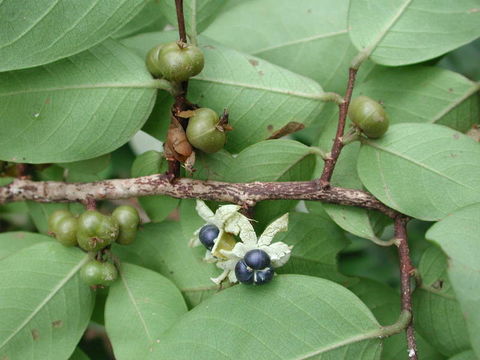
<point x="181" y="21"/>
<point x="337" y="146"/>
<point x="181" y="102"/>
<point x="406" y="272"/>
<point x="245" y="194"/>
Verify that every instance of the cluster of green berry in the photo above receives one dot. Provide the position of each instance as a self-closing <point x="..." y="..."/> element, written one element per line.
<point x="93" y="231"/>
<point x="177" y="62"/>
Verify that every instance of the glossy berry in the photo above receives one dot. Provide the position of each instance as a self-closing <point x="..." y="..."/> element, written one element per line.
<point x="152" y="60"/>
<point x="66" y="231"/>
<point x="257" y="259"/>
<point x="128" y="219"/>
<point x="369" y="116"/>
<point x="202" y="131"/>
<point x="263" y="276"/>
<point x="55" y="218"/>
<point x="179" y="61"/>
<point x="243" y="273"/>
<point x="96" y="231"/>
<point x="207" y="235"/>
<point x="98" y="273"/>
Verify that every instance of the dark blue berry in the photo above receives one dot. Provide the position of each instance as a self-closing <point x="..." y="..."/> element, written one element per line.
<point x="243" y="272"/>
<point x="257" y="259"/>
<point x="264" y="276"/>
<point x="207" y="235"/>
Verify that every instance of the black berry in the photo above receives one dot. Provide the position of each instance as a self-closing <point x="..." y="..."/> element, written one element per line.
<point x="207" y="235"/>
<point x="244" y="273"/>
<point x="257" y="259"/>
<point x="263" y="276"/>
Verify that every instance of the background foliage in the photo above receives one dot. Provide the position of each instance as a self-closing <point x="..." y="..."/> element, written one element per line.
<point x="74" y="91"/>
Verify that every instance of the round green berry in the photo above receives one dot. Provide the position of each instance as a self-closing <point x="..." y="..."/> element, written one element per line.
<point x="180" y="61"/>
<point x="98" y="273"/>
<point x="369" y="116"/>
<point x="96" y="231"/>
<point x="56" y="217"/>
<point x="128" y="220"/>
<point x="66" y="231"/>
<point x="152" y="60"/>
<point x="202" y="131"/>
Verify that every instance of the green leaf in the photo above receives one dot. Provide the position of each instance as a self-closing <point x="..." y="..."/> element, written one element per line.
<point x="466" y="355"/>
<point x="256" y="163"/>
<point x="459" y="237"/>
<point x="157" y="207"/>
<point x="159" y="120"/>
<point x="147" y="20"/>
<point x="424" y="94"/>
<point x="261" y="97"/>
<point x="273" y="160"/>
<point x="385" y="305"/>
<point x="438" y="317"/>
<point x="11" y="242"/>
<point x="320" y="48"/>
<point x="74" y="109"/>
<point x="78" y="354"/>
<point x="463" y="60"/>
<point x="357" y="221"/>
<point x="42" y="31"/>
<point x="145" y="303"/>
<point x="440" y="163"/>
<point x="316" y="243"/>
<point x="294" y="317"/>
<point x="214" y="166"/>
<point x="89" y="166"/>
<point x="163" y="247"/>
<point x="198" y="13"/>
<point x="6" y="180"/>
<point x="44" y="306"/>
<point x="401" y="32"/>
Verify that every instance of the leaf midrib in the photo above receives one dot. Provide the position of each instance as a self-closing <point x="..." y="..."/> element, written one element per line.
<point x="135" y="305"/>
<point x="139" y="85"/>
<point x="354" y="339"/>
<point x="263" y="88"/>
<point x="442" y="113"/>
<point x="300" y="41"/>
<point x="49" y="297"/>
<point x="371" y="48"/>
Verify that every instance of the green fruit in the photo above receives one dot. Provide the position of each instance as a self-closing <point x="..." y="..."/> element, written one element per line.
<point x="96" y="231"/>
<point x="202" y="131"/>
<point x="369" y="116"/>
<point x="128" y="220"/>
<point x="55" y="218"/>
<point x="66" y="231"/>
<point x="152" y="60"/>
<point x="98" y="273"/>
<point x="179" y="62"/>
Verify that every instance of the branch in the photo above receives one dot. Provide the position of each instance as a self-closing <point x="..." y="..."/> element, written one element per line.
<point x="406" y="272"/>
<point x="245" y="194"/>
<point x="337" y="143"/>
